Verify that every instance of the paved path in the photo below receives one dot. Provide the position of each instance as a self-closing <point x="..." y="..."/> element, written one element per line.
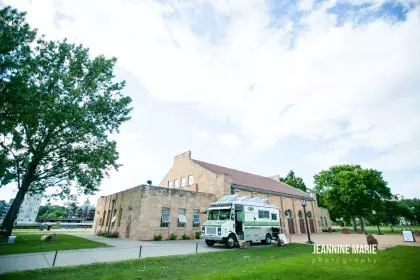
<point x="125" y="249"/>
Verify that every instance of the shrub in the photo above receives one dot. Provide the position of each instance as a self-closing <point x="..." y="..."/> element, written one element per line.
<point x="172" y="236"/>
<point x="185" y="237"/>
<point x="198" y="235"/>
<point x="157" y="237"/>
<point x="108" y="235"/>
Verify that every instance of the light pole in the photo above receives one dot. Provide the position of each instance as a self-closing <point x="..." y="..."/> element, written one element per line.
<point x="303" y="202"/>
<point x="377" y="222"/>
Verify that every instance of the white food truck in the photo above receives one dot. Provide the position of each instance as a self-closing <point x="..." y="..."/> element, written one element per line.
<point x="236" y="218"/>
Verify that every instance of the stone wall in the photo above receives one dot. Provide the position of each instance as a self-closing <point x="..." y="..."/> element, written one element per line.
<point x="141" y="212"/>
<point x="204" y="180"/>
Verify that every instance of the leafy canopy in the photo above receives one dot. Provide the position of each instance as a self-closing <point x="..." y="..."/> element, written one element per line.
<point x="294" y="181"/>
<point x="351" y="190"/>
<point x="58" y="108"/>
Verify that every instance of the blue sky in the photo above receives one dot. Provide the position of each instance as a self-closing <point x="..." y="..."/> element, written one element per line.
<point x="261" y="86"/>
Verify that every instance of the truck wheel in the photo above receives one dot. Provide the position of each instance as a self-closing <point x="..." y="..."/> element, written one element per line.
<point x="230" y="241"/>
<point x="210" y="242"/>
<point x="267" y="240"/>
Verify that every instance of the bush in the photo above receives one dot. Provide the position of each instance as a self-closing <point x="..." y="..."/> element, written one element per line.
<point x="157" y="237"/>
<point x="108" y="235"/>
<point x="172" y="236"/>
<point x="198" y="235"/>
<point x="185" y="237"/>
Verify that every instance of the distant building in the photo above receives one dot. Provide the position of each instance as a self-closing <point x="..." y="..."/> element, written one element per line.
<point x="28" y="211"/>
<point x="85" y="212"/>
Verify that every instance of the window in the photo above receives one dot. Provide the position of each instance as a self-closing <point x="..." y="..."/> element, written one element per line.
<point x="190" y="180"/>
<point x="274" y="216"/>
<point x="105" y="218"/>
<point x="170" y="184"/>
<point x="182" y="219"/>
<point x="114" y="216"/>
<point x="325" y="221"/>
<point x="119" y="217"/>
<point x="196" y="218"/>
<point x="263" y="214"/>
<point x="166" y="217"/>
<point x="183" y="182"/>
<point x="176" y="183"/>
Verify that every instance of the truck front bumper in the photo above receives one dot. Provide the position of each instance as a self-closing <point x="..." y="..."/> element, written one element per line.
<point x="212" y="237"/>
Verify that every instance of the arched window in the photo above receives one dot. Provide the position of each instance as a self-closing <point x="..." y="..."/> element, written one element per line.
<point x="309" y="214"/>
<point x="300" y="214"/>
<point x="288" y="214"/>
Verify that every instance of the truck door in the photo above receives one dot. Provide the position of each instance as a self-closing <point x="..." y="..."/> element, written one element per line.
<point x="239" y="220"/>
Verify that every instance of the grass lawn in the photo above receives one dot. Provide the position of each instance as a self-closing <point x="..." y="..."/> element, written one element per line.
<point x="294" y="261"/>
<point x="31" y="243"/>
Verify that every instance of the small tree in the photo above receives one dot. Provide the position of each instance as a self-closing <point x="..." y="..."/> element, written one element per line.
<point x="149" y="182"/>
<point x="294" y="181"/>
<point x="58" y="108"/>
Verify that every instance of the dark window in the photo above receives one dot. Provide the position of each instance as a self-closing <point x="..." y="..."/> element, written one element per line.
<point x="274" y="217"/>
<point x="263" y="214"/>
<point x="166" y="217"/>
<point x="196" y="218"/>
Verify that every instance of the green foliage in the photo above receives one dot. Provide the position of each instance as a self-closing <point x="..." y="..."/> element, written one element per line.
<point x="197" y="234"/>
<point x="173" y="236"/>
<point x="108" y="235"/>
<point x="58" y="107"/>
<point x="294" y="181"/>
<point x="185" y="237"/>
<point x="350" y="190"/>
<point x="52" y="212"/>
<point x="157" y="237"/>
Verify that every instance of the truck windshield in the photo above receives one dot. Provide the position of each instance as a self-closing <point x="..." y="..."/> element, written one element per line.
<point x="222" y="214"/>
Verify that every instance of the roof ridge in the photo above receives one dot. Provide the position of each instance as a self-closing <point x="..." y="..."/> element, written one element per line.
<point x="233" y="169"/>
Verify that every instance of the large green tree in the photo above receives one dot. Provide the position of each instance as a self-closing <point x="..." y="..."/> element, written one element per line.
<point x="351" y="190"/>
<point x="58" y="108"/>
<point x="292" y="180"/>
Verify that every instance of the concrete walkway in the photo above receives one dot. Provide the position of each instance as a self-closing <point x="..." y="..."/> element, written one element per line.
<point x="125" y="249"/>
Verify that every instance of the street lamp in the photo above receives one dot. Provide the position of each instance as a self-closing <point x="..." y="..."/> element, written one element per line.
<point x="303" y="202"/>
<point x="377" y="222"/>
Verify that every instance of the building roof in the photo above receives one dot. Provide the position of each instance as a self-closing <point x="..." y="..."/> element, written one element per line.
<point x="253" y="181"/>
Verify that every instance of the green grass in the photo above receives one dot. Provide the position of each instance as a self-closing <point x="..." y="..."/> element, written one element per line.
<point x="30" y="243"/>
<point x="294" y="261"/>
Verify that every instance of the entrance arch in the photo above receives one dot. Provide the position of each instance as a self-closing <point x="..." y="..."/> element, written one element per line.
<point x="301" y="222"/>
<point x="311" y="221"/>
<point x="290" y="223"/>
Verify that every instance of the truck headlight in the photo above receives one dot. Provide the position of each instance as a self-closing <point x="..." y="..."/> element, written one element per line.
<point x="219" y="231"/>
<point x="203" y="230"/>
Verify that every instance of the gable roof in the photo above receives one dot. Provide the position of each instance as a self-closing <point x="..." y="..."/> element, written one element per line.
<point x="248" y="180"/>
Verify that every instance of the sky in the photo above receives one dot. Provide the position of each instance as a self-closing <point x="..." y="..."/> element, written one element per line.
<point x="259" y="86"/>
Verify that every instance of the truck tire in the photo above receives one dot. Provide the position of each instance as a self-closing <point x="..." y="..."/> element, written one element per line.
<point x="210" y="243"/>
<point x="267" y="240"/>
<point x="230" y="241"/>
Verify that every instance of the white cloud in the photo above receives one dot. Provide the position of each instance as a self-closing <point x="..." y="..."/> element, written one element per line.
<point x="230" y="140"/>
<point x="305" y="4"/>
<point x="351" y="87"/>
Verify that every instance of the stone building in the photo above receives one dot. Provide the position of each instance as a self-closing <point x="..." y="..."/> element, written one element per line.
<point x="179" y="204"/>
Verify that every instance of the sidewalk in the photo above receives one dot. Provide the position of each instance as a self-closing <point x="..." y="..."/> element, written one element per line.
<point x="123" y="249"/>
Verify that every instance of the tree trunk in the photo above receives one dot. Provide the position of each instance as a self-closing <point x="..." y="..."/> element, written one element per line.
<point x="11" y="216"/>
<point x="362" y="223"/>
<point x="354" y="224"/>
<point x="17" y="202"/>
